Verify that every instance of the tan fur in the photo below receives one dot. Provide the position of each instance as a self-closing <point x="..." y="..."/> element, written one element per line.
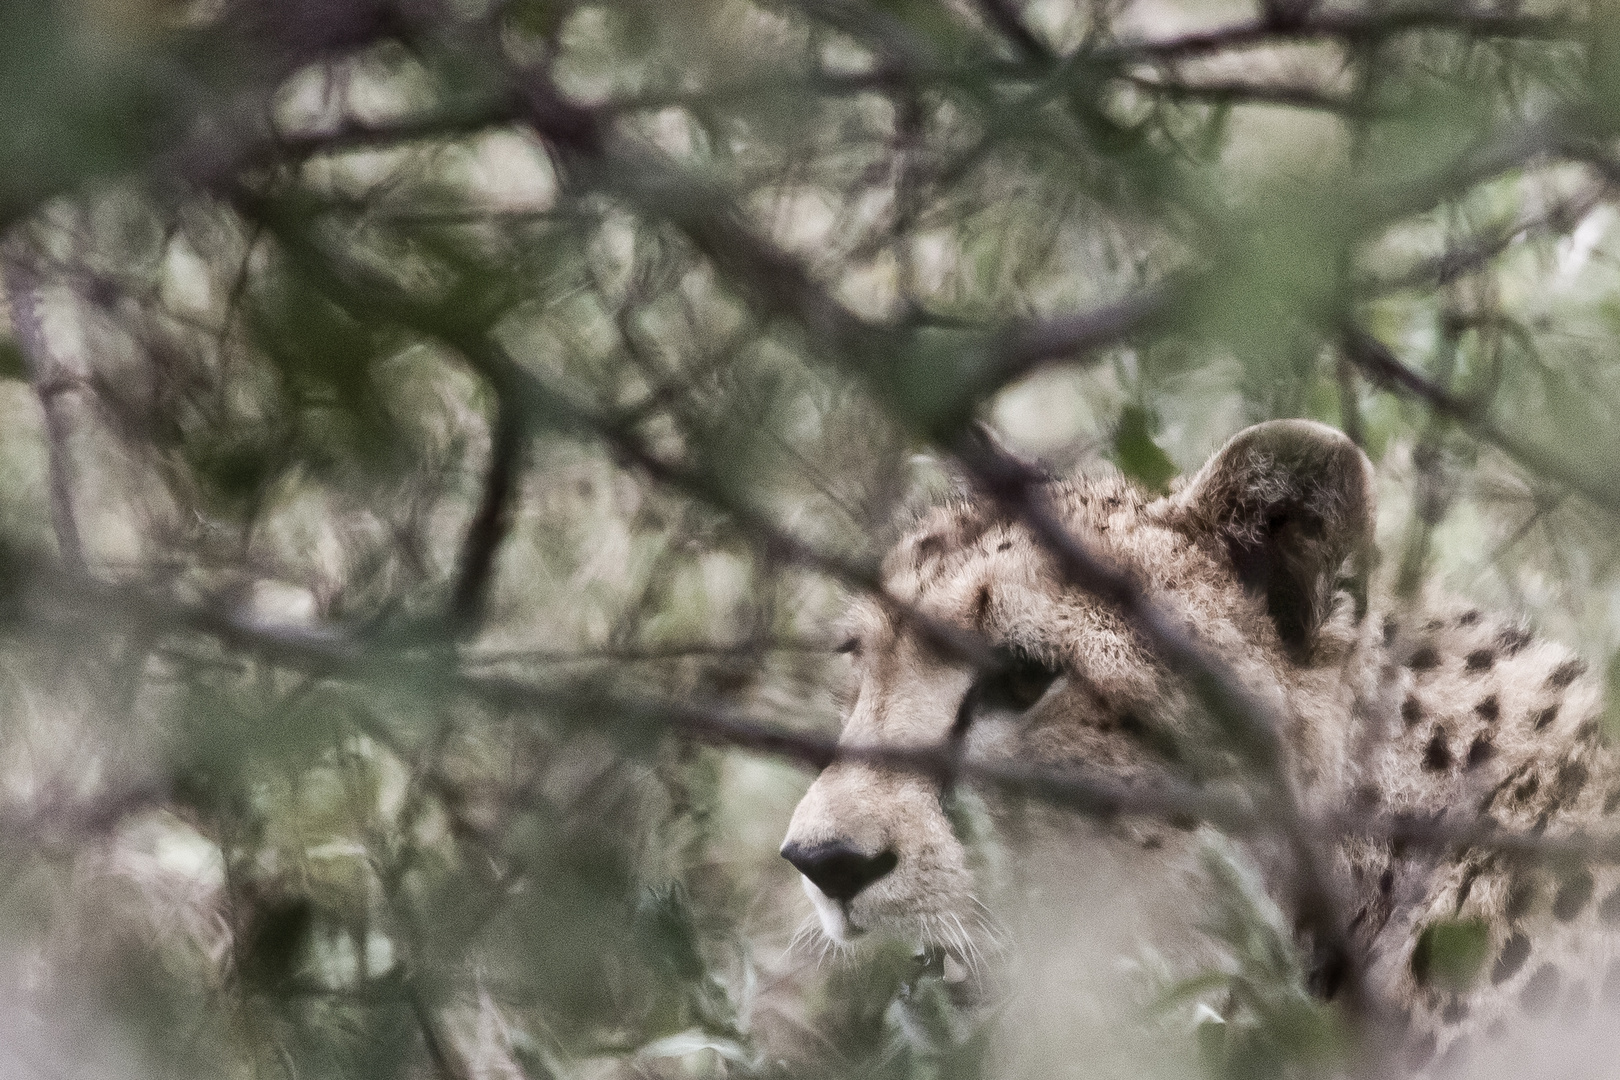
<point x="1393" y="712"/>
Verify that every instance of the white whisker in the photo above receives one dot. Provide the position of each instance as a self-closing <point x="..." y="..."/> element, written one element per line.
<point x="803" y="935"/>
<point x="969" y="952"/>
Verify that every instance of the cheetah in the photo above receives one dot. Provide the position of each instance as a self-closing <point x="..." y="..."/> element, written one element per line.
<point x="1444" y="713"/>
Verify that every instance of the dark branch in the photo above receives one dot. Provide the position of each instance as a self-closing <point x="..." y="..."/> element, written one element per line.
<point x="1380" y="365"/>
<point x="1348" y="27"/>
<point x="490" y="522"/>
<point x="1004" y="16"/>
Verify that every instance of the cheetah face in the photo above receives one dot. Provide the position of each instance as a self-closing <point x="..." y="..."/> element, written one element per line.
<point x="1075" y="688"/>
<point x="874" y="846"/>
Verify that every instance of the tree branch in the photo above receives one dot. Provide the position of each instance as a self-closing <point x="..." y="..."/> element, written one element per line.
<point x="1339" y="26"/>
<point x="1379" y="364"/>
<point x="490" y="522"/>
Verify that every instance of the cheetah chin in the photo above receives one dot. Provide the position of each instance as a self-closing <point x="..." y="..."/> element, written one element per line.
<point x="1443" y="711"/>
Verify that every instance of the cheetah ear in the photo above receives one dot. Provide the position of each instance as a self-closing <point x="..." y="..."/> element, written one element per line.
<point x="1291" y="500"/>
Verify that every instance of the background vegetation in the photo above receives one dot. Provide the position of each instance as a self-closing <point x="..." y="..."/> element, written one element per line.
<point x="439" y="435"/>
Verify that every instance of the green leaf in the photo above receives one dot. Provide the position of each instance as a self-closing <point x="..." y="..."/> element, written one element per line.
<point x="1450" y="953"/>
<point x="1137" y="455"/>
<point x="11" y="362"/>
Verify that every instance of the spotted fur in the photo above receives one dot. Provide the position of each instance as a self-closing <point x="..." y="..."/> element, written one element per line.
<point x="1444" y="712"/>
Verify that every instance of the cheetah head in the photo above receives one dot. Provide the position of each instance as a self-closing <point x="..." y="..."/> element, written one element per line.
<point x="1248" y="550"/>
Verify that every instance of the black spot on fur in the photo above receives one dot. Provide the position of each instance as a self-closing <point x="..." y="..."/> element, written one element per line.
<point x="981" y="608"/>
<point x="1565" y="673"/>
<point x="1455" y="1012"/>
<point x="1540" y="990"/>
<point x="929" y="546"/>
<point x="1437" y="756"/>
<point x="1545" y="717"/>
<point x="1513" y="639"/>
<point x="1572" y="777"/>
<point x="1480" y="750"/>
<point x="1391" y="628"/>
<point x="1488" y="709"/>
<point x="1612" y="801"/>
<point x="1433" y="625"/>
<point x="1411" y="710"/>
<point x="1515" y="951"/>
<point x="1386" y="881"/>
<point x="1469" y="617"/>
<point x="1609" y="910"/>
<point x="1005" y="545"/>
<point x="1572" y="897"/>
<point x="1526" y="790"/>
<point x="1479" y="660"/>
<point x="1424" y="658"/>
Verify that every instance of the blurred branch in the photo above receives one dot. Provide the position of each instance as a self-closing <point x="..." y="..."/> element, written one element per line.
<point x="886" y="359"/>
<point x="1350" y="26"/>
<point x="446" y="1061"/>
<point x="351" y="134"/>
<point x="334" y="652"/>
<point x="1005" y="17"/>
<point x="490" y="522"/>
<point x="22" y="290"/>
<point x="60" y="821"/>
<point x="1456" y="262"/>
<point x="540" y="409"/>
<point x="1379" y="364"/>
<point x="754" y="648"/>
<point x="1235" y="92"/>
<point x="61" y="596"/>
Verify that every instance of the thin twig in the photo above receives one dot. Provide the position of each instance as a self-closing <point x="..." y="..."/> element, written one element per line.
<point x="1379" y="363"/>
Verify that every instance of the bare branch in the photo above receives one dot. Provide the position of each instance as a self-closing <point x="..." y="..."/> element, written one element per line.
<point x="1004" y="16"/>
<point x="1339" y="26"/>
<point x="1454" y="263"/>
<point x="1380" y="365"/>
<point x="490" y="522"/>
<point x="1237" y="92"/>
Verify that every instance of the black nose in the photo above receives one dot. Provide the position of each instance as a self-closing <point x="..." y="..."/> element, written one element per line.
<point x="836" y="868"/>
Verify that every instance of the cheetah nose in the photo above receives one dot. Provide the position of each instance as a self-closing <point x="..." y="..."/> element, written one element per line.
<point x="836" y="868"/>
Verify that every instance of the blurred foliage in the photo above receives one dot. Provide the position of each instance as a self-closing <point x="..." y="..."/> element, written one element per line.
<point x="1270" y="1025"/>
<point x="407" y="401"/>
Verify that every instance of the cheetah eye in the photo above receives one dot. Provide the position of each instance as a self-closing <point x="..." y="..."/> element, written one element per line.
<point x="1014" y="687"/>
